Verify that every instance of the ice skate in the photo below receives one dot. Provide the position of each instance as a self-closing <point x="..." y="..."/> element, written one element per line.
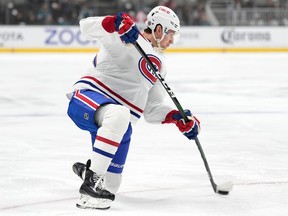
<point x="92" y="192"/>
<point x="79" y="169"/>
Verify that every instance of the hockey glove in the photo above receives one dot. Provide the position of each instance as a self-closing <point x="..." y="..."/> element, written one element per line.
<point x="126" y="28"/>
<point x="190" y="129"/>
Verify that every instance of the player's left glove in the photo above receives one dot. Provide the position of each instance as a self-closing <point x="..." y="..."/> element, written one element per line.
<point x="190" y="129"/>
<point x="126" y="28"/>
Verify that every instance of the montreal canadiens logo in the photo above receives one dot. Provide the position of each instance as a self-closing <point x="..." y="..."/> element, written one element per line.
<point x="146" y="70"/>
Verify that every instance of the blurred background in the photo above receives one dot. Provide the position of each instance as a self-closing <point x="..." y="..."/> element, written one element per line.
<point x="206" y="25"/>
<point x="190" y="12"/>
<point x="229" y="67"/>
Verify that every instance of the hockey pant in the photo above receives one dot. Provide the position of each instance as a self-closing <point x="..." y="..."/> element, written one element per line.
<point x="110" y="129"/>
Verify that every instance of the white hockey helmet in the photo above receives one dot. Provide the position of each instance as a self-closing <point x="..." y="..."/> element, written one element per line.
<point x="165" y="17"/>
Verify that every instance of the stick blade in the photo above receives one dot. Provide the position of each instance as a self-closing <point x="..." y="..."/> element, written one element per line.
<point x="225" y="188"/>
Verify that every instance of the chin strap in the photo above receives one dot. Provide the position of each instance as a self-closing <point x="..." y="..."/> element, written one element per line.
<point x="158" y="48"/>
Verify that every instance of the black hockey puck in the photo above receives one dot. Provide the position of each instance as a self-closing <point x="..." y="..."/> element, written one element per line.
<point x="223" y="192"/>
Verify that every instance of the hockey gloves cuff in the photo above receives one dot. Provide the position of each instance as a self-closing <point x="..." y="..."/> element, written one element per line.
<point x="190" y="129"/>
<point x="126" y="28"/>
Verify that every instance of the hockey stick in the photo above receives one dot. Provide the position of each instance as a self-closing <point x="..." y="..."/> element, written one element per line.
<point x="220" y="189"/>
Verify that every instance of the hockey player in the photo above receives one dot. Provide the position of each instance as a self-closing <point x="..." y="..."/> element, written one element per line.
<point x="114" y="94"/>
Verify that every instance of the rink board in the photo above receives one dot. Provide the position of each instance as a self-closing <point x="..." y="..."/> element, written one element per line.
<point x="193" y="39"/>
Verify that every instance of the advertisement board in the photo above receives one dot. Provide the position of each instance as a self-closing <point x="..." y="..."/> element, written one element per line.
<point x="44" y="38"/>
<point x="193" y="39"/>
<point x="234" y="38"/>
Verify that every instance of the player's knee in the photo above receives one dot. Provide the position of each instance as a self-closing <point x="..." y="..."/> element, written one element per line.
<point x="116" y="117"/>
<point x="120" y="115"/>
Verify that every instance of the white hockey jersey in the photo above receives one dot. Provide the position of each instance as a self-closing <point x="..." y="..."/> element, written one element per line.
<point x="123" y="75"/>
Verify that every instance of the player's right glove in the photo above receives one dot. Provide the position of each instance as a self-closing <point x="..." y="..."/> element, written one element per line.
<point x="126" y="28"/>
<point x="190" y="129"/>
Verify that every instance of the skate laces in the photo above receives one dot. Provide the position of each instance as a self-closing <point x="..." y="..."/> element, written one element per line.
<point x="99" y="181"/>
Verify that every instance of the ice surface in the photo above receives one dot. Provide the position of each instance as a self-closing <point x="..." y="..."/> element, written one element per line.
<point x="241" y="100"/>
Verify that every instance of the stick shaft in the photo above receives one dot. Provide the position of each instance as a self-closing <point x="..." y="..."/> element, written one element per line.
<point x="162" y="81"/>
<point x="179" y="107"/>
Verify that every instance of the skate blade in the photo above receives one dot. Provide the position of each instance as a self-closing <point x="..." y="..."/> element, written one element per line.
<point x="88" y="202"/>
